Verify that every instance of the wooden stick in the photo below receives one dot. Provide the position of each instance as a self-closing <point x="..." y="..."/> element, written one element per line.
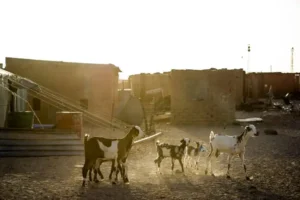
<point x="147" y="138"/>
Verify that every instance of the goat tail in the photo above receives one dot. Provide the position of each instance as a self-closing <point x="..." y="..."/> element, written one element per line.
<point x="86" y="137"/>
<point x="211" y="136"/>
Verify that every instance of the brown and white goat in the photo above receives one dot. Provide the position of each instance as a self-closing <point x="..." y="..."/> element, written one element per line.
<point x="176" y="152"/>
<point x="232" y="145"/>
<point x="110" y="149"/>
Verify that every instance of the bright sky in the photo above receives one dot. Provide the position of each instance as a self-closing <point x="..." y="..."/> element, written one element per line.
<point x="154" y="35"/>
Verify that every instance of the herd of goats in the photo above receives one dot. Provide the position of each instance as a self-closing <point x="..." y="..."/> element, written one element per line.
<point x="99" y="150"/>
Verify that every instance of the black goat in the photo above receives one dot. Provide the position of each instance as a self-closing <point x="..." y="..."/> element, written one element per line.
<point x="174" y="151"/>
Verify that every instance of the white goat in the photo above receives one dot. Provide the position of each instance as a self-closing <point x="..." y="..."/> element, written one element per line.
<point x="232" y="145"/>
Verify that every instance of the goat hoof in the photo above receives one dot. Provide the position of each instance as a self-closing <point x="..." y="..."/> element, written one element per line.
<point x="113" y="182"/>
<point x="126" y="182"/>
<point x="213" y="175"/>
<point x="228" y="177"/>
<point x="249" y="178"/>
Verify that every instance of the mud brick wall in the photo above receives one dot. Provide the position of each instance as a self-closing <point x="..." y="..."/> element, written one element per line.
<point x="203" y="96"/>
<point x="96" y="82"/>
<point x="149" y="82"/>
<point x="258" y="84"/>
<point x="240" y="77"/>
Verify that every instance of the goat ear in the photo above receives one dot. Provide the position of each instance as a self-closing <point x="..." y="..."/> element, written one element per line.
<point x="182" y="140"/>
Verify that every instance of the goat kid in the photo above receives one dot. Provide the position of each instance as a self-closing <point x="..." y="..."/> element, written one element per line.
<point x="174" y="151"/>
<point x="110" y="149"/>
<point x="193" y="154"/>
<point x="232" y="145"/>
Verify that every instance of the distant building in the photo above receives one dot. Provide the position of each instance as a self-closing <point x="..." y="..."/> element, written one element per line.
<point x="141" y="83"/>
<point x="258" y="84"/>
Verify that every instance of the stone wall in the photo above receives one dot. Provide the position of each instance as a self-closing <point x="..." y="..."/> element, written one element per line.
<point x="95" y="82"/>
<point x="148" y="82"/>
<point x="203" y="96"/>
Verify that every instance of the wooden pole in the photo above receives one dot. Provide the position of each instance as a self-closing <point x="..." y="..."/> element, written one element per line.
<point x="147" y="138"/>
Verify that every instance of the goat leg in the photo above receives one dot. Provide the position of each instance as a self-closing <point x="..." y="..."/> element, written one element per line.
<point x="180" y="162"/>
<point x="208" y="161"/>
<point x="185" y="160"/>
<point x="97" y="171"/>
<point x="90" y="175"/>
<point x="242" y="156"/>
<point x="125" y="175"/>
<point x="111" y="169"/>
<point x="158" y="161"/>
<point x="100" y="173"/>
<point x="95" y="175"/>
<point x="87" y="165"/>
<point x="115" y="170"/>
<point x="172" y="166"/>
<point x="197" y="163"/>
<point x="212" y="164"/>
<point x="229" y="163"/>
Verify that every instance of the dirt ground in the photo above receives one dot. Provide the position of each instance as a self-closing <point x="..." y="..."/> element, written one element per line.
<point x="273" y="161"/>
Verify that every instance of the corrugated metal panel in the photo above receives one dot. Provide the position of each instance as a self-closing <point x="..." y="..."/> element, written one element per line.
<point x="18" y="143"/>
<point x="43" y="148"/>
<point x="40" y="153"/>
<point x="39" y="142"/>
<point x="37" y="136"/>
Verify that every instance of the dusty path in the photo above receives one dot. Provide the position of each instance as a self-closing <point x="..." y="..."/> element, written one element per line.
<point x="272" y="160"/>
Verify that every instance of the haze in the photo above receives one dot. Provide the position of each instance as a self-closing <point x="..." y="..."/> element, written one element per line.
<point x="154" y="36"/>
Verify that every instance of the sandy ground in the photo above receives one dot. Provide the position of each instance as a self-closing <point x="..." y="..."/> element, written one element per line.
<point x="273" y="161"/>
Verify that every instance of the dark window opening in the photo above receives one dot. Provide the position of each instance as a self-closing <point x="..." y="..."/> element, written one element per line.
<point x="36" y="104"/>
<point x="84" y="103"/>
